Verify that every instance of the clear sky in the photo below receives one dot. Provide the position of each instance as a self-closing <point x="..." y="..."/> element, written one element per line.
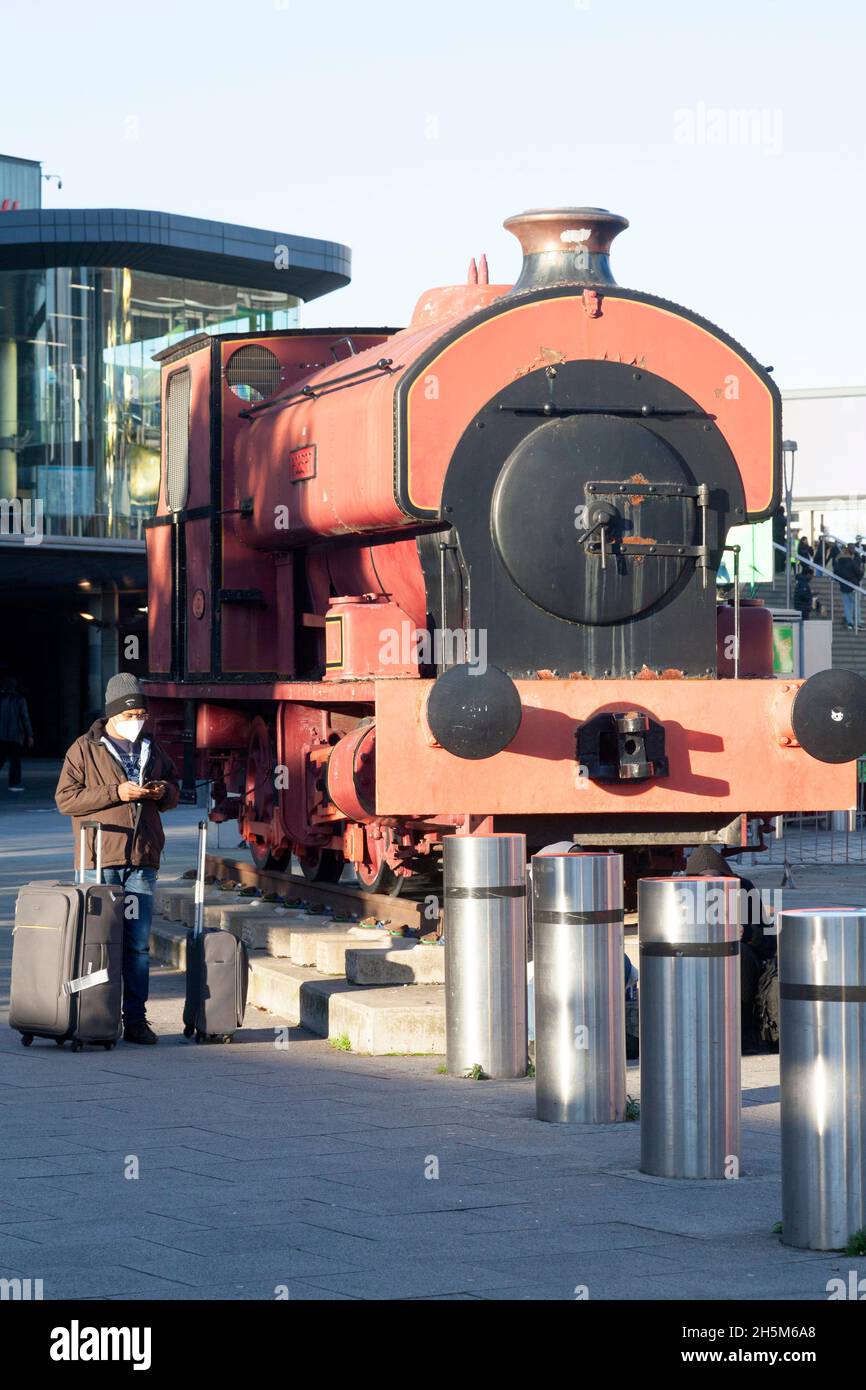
<point x="731" y="134"/>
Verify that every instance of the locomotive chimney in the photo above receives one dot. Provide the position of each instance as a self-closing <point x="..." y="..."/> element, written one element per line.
<point x="565" y="246"/>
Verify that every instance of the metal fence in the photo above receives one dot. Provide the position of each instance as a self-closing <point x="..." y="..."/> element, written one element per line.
<point x="819" y="837"/>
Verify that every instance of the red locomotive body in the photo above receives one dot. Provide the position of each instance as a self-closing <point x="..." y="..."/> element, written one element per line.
<point x="462" y="576"/>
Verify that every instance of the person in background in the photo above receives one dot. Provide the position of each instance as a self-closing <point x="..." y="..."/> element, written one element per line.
<point x="804" y="553"/>
<point x="757" y="944"/>
<point x="16" y="731"/>
<point x="848" y="568"/>
<point x="802" y="599"/>
<point x="117" y="775"/>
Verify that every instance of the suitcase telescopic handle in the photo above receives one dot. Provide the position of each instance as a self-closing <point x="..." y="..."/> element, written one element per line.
<point x="82" y="855"/>
<point x="199" y="878"/>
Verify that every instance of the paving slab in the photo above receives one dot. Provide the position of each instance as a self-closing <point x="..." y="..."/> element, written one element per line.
<point x="284" y="1161"/>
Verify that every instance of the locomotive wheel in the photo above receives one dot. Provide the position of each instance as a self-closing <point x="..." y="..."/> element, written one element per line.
<point x="375" y="875"/>
<point x="322" y="866"/>
<point x="259" y="794"/>
<point x="265" y="858"/>
<point x="380" y="880"/>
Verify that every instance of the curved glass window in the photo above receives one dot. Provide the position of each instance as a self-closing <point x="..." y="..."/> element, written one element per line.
<point x="80" y="395"/>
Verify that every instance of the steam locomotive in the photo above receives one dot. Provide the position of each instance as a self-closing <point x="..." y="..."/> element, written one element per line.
<point x="460" y="578"/>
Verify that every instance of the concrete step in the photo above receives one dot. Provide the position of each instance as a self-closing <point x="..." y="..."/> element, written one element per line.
<point x="305" y="940"/>
<point x="168" y="943"/>
<point x="273" y="932"/>
<point x="375" y="1021"/>
<point x="400" y="965"/>
<point x="331" y="949"/>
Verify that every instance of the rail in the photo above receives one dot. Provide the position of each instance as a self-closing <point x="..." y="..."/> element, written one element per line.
<point x="857" y="589"/>
<point x="408" y="911"/>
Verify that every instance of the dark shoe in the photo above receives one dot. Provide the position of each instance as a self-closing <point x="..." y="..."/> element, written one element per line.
<point x="139" y="1033"/>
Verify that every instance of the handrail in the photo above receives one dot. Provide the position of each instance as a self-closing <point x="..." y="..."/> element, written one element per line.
<point x="819" y="569"/>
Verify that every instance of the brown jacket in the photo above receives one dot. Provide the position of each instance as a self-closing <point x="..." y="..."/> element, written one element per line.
<point x="87" y="790"/>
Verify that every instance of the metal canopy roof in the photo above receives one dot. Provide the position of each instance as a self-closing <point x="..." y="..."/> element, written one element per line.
<point x="186" y="247"/>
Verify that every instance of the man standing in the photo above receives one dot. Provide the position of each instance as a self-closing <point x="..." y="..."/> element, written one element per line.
<point x="16" y="732"/>
<point x="847" y="568"/>
<point x="118" y="776"/>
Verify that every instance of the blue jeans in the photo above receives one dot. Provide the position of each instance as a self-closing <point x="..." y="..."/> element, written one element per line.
<point x="848" y="606"/>
<point x="137" y="914"/>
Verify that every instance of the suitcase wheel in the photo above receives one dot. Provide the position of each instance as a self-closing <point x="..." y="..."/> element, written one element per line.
<point x="108" y="1046"/>
<point x="26" y="1039"/>
<point x="78" y="1046"/>
<point x="60" y="1041"/>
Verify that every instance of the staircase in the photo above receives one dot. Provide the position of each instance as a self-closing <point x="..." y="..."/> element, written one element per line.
<point x="366" y="991"/>
<point x="849" y="648"/>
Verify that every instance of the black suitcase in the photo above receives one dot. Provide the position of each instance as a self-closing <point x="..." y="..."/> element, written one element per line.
<point x="67" y="952"/>
<point x="216" y="971"/>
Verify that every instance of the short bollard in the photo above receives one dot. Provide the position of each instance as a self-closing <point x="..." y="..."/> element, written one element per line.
<point x="577" y="914"/>
<point x="485" y="954"/>
<point x="689" y="1027"/>
<point x="822" y="1060"/>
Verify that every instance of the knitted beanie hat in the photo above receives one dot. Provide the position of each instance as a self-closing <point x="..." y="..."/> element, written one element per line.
<point x="123" y="692"/>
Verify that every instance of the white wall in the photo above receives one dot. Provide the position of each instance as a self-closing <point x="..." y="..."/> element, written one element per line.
<point x="830" y="472"/>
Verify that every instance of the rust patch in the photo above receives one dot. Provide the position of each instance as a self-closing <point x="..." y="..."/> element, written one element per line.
<point x="547" y="357"/>
<point x="670" y="673"/>
<point x="639" y="497"/>
<point x="639" y="540"/>
<point x="545" y="675"/>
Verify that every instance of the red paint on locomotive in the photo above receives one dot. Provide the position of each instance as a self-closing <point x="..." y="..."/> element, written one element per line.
<point x="548" y="471"/>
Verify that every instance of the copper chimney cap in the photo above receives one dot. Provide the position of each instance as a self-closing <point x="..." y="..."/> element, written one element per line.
<point x="565" y="246"/>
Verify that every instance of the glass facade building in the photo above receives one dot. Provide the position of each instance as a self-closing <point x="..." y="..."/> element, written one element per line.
<point x="87" y="297"/>
<point x="79" y="391"/>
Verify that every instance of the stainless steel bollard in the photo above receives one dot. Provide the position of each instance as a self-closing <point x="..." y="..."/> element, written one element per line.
<point x="689" y="1026"/>
<point x="578" y="955"/>
<point x="485" y="954"/>
<point x="822" y="1058"/>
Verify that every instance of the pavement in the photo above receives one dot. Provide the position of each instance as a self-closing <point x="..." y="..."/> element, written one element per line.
<point x="278" y="1166"/>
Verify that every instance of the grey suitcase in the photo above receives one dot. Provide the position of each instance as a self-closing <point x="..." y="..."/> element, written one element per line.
<point x="67" y="951"/>
<point x="216" y="971"/>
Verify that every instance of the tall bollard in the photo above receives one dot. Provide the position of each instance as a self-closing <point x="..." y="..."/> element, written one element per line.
<point x="822" y="1058"/>
<point x="689" y="1027"/>
<point x="577" y="914"/>
<point x="485" y="954"/>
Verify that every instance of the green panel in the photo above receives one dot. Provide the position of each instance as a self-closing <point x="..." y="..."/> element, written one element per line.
<point x="756" y="554"/>
<point x="783" y="649"/>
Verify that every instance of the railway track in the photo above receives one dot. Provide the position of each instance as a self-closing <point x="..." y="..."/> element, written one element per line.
<point x="419" y="911"/>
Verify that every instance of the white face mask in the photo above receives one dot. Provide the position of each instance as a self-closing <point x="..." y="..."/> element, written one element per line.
<point x="129" y="728"/>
